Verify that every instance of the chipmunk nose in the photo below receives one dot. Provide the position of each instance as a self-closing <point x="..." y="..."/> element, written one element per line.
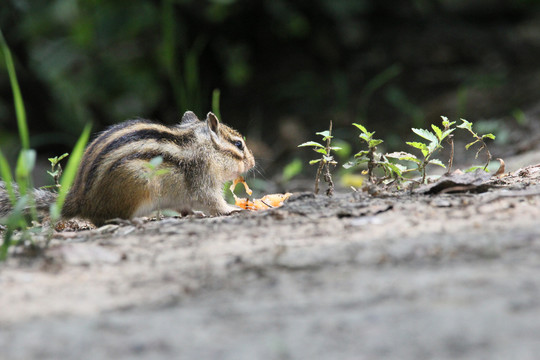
<point x="250" y="162"/>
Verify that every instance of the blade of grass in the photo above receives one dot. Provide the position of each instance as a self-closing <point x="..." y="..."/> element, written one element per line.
<point x="169" y="45"/>
<point x="17" y="97"/>
<point x="26" y="160"/>
<point x="23" y="176"/>
<point x="191" y="78"/>
<point x="7" y="176"/>
<point x="215" y="103"/>
<point x="69" y="173"/>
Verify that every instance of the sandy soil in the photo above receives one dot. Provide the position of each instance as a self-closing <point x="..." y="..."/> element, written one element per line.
<point x="407" y="276"/>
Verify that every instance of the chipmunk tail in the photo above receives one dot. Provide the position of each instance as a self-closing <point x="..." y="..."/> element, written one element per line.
<point x="42" y="198"/>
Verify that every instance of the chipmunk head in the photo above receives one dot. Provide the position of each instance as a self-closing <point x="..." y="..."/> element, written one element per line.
<point x="229" y="150"/>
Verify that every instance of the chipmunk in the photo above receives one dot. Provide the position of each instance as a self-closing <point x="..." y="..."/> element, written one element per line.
<point x="114" y="181"/>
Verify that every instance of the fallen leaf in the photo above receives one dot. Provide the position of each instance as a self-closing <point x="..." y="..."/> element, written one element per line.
<point x="500" y="171"/>
<point x="458" y="181"/>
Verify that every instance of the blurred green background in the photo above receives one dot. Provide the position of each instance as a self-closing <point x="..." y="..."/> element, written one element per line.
<point x="284" y="68"/>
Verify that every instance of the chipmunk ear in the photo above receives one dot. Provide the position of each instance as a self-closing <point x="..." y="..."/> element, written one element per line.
<point x="212" y="122"/>
<point x="189" y="117"/>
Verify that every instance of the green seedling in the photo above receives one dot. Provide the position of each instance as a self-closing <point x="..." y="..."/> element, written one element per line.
<point x="366" y="156"/>
<point x="56" y="169"/>
<point x="325" y="160"/>
<point x="477" y="139"/>
<point x="447" y="128"/>
<point x="373" y="159"/>
<point x="428" y="149"/>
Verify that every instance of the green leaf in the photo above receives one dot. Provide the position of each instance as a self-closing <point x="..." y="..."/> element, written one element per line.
<point x="426" y="134"/>
<point x="437" y="131"/>
<point x="349" y="165"/>
<point x="55" y="160"/>
<point x="436" y="162"/>
<point x="401" y="168"/>
<point x="361" y="153"/>
<point x="325" y="134"/>
<point x="335" y="148"/>
<point x="446" y="133"/>
<point x="446" y="123"/>
<point x="401" y="155"/>
<point x="311" y="143"/>
<point x="471" y="144"/>
<point x="314" y="161"/>
<point x="362" y="128"/>
<point x="432" y="147"/>
<point x="465" y="125"/>
<point x="394" y="168"/>
<point x="375" y="142"/>
<point x="445" y="120"/>
<point x="421" y="146"/>
<point x="365" y="137"/>
<point x="489" y="136"/>
<point x="328" y="158"/>
<point x="322" y="151"/>
<point x="291" y="170"/>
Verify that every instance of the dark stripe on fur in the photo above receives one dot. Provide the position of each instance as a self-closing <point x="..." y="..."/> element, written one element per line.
<point x="191" y="166"/>
<point x="234" y="154"/>
<point x="219" y="147"/>
<point x="137" y="135"/>
<point x="100" y="138"/>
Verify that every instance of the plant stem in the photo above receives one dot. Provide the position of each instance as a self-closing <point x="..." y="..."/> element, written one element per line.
<point x="488" y="155"/>
<point x="328" y="179"/>
<point x="450" y="140"/>
<point x="326" y="165"/>
<point x="371" y="164"/>
<point x="327" y="175"/>
<point x="317" y="177"/>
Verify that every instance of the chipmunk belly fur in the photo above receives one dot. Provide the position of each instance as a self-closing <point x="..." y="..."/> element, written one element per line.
<point x="115" y="181"/>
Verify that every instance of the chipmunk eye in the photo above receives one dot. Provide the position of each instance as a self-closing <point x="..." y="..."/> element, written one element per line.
<point x="239" y="145"/>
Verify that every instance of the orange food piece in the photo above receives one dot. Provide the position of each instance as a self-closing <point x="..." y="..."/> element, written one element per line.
<point x="240" y="179"/>
<point x="266" y="202"/>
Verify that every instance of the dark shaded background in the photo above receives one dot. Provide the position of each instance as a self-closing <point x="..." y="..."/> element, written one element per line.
<point x="284" y="68"/>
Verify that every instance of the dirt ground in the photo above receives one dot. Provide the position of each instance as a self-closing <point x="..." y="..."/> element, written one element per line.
<point x="406" y="276"/>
